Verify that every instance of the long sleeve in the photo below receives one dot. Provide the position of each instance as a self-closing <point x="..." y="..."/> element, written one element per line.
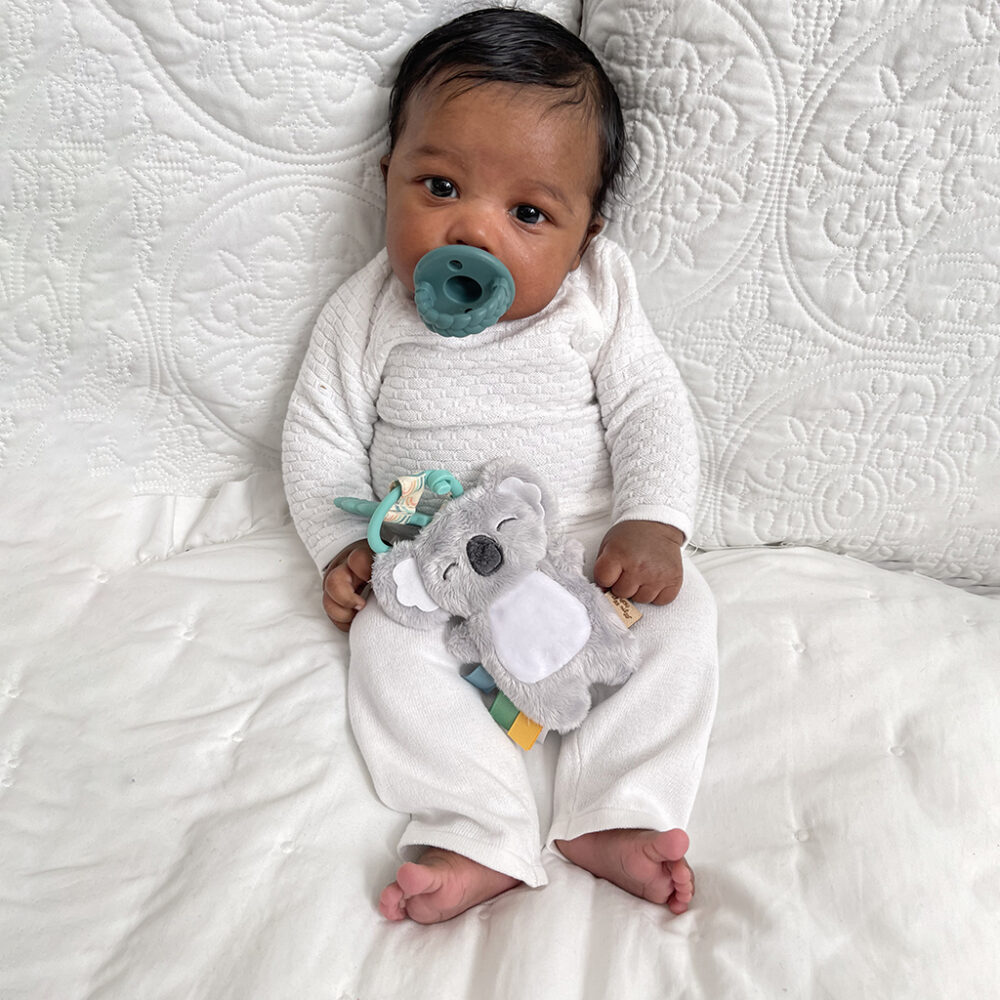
<point x="331" y="413"/>
<point x="649" y="425"/>
<point x="584" y="392"/>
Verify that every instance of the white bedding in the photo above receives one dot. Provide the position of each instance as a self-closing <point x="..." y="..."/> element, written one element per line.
<point x="815" y="217"/>
<point x="184" y="812"/>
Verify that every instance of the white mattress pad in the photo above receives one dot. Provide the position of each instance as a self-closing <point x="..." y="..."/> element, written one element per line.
<point x="184" y="812"/>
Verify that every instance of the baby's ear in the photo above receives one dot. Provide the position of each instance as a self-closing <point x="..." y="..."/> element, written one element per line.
<point x="596" y="225"/>
<point x="400" y="589"/>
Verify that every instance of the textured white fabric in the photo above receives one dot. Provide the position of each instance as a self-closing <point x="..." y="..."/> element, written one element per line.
<point x="184" y="813"/>
<point x="582" y="392"/>
<point x="181" y="186"/>
<point x="814" y="220"/>
<point x="436" y="755"/>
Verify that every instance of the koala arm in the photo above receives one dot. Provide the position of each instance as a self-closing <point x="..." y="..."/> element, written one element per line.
<point x="461" y="645"/>
<point x="565" y="556"/>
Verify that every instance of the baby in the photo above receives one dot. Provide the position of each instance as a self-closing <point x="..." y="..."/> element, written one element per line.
<point x="506" y="134"/>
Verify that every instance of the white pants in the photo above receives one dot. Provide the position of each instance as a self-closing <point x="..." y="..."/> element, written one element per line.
<point x="435" y="753"/>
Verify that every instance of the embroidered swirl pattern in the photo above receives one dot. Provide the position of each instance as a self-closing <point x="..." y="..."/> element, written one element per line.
<point x="814" y="214"/>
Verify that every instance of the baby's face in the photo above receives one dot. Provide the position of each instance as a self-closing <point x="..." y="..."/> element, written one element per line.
<point x="497" y="167"/>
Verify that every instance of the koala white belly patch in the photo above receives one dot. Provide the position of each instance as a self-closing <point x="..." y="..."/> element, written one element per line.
<point x="538" y="626"/>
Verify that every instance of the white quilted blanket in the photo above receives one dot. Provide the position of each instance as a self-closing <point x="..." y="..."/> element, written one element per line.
<point x="815" y="216"/>
<point x="184" y="814"/>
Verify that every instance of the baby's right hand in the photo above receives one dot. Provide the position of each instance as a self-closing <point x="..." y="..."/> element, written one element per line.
<point x="345" y="578"/>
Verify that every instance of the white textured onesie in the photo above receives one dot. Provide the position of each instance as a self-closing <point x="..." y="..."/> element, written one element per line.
<point x="584" y="393"/>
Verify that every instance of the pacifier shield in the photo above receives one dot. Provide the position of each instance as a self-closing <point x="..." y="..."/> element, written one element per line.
<point x="461" y="290"/>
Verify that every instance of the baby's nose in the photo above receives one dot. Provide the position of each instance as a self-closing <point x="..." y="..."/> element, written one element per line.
<point x="472" y="229"/>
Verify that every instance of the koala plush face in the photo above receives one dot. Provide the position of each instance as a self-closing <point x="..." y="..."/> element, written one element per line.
<point x="474" y="549"/>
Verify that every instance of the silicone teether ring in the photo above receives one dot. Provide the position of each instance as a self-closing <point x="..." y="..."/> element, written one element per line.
<point x="461" y="290"/>
<point x="438" y="481"/>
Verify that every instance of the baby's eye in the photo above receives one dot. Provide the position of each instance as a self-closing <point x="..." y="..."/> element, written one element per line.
<point x="529" y="215"/>
<point x="440" y="187"/>
<point x="504" y="521"/>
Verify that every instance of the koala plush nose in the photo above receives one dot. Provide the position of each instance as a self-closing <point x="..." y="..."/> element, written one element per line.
<point x="484" y="554"/>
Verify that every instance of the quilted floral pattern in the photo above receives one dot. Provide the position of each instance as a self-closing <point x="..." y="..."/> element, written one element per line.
<point x="815" y="212"/>
<point x="181" y="187"/>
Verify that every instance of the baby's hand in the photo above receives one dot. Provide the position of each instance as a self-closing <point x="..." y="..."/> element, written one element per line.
<point x="641" y="561"/>
<point x="343" y="582"/>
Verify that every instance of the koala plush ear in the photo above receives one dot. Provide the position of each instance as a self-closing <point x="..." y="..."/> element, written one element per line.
<point x="410" y="589"/>
<point x="400" y="589"/>
<point x="520" y="489"/>
<point x="509" y="478"/>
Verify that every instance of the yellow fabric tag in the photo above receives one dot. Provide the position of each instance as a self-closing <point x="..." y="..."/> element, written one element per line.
<point x="524" y="731"/>
<point x="627" y="611"/>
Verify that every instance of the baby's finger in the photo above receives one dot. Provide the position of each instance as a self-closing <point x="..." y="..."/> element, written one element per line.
<point x="341" y="587"/>
<point x="667" y="594"/>
<point x="360" y="564"/>
<point x="607" y="571"/>
<point x="340" y="616"/>
<point x="670" y="586"/>
<point x="646" y="594"/>
<point x="626" y="586"/>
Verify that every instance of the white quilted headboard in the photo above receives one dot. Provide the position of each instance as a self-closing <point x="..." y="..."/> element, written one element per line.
<point x="815" y="215"/>
<point x="182" y="185"/>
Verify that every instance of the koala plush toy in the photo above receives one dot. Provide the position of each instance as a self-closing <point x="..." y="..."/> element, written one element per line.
<point x="514" y="592"/>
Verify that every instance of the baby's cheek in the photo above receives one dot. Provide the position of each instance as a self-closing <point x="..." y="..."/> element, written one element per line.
<point x="531" y="294"/>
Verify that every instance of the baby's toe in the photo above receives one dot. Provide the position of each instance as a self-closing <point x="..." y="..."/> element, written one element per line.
<point x="683" y="893"/>
<point x="392" y="904"/>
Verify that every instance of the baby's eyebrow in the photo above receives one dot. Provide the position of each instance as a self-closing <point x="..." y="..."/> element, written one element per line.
<point x="554" y="192"/>
<point x="427" y="149"/>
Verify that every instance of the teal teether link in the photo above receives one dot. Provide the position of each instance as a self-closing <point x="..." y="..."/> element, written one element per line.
<point x="443" y="483"/>
<point x="363" y="508"/>
<point x="375" y="542"/>
<point x="461" y="290"/>
<point x="438" y="481"/>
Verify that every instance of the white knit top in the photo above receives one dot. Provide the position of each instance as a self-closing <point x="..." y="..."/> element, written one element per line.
<point x="582" y="391"/>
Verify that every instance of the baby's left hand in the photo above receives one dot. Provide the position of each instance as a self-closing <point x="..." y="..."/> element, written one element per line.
<point x="641" y="561"/>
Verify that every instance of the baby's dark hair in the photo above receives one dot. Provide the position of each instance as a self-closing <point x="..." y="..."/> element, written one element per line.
<point x="499" y="45"/>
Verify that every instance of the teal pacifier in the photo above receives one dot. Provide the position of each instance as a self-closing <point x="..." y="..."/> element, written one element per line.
<point x="460" y="290"/>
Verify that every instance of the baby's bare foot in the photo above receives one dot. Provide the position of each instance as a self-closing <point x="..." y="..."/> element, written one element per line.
<point x="441" y="885"/>
<point x="647" y="864"/>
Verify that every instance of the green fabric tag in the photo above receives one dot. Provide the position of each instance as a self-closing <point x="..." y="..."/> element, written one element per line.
<point x="504" y="710"/>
